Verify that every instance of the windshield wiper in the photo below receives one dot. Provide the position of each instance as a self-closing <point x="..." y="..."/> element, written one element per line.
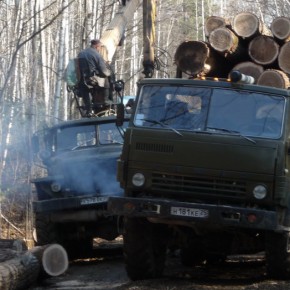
<point x="231" y="132"/>
<point x="155" y="122"/>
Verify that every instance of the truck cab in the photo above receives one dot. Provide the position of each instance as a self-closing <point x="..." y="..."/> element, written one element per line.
<point x="79" y="160"/>
<point x="205" y="169"/>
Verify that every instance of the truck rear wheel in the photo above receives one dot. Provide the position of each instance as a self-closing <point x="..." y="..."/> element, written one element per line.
<point x="278" y="255"/>
<point x="144" y="248"/>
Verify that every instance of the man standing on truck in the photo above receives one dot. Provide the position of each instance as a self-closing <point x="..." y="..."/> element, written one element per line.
<point x="94" y="73"/>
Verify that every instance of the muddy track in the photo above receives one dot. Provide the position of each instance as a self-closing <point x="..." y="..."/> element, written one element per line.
<point x="107" y="271"/>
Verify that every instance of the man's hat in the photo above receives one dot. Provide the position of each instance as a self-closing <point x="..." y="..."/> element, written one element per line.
<point x="95" y="42"/>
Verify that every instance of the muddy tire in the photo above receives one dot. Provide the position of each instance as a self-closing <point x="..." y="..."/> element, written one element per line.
<point x="45" y="230"/>
<point x="144" y="248"/>
<point x="278" y="255"/>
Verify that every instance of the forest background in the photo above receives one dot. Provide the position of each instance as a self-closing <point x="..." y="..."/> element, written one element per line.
<point x="37" y="40"/>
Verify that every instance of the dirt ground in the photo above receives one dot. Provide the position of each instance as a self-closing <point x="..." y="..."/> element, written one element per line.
<point x="107" y="271"/>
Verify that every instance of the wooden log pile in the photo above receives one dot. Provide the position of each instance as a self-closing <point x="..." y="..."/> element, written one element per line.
<point x="21" y="268"/>
<point x="242" y="43"/>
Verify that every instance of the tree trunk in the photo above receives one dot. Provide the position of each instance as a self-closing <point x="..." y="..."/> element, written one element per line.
<point x="283" y="58"/>
<point x="264" y="50"/>
<point x="198" y="58"/>
<point x="248" y="25"/>
<point x="249" y="68"/>
<point x="115" y="31"/>
<point x="280" y="28"/>
<point x="274" y="78"/>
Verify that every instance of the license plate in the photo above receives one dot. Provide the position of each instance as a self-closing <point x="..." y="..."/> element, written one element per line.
<point x="190" y="212"/>
<point x="92" y="200"/>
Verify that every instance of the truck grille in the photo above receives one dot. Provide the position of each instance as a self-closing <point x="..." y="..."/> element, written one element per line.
<point x="152" y="147"/>
<point x="198" y="185"/>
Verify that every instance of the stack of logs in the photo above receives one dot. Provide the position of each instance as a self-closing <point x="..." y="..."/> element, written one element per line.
<point x="242" y="43"/>
<point x="21" y="268"/>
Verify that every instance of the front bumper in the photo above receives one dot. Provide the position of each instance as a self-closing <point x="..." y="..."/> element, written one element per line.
<point x="169" y="211"/>
<point x="78" y="202"/>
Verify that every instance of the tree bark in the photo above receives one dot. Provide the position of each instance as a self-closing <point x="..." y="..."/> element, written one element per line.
<point x="274" y="78"/>
<point x="263" y="50"/>
<point x="19" y="272"/>
<point x="249" y="68"/>
<point x="280" y="28"/>
<point x="247" y="25"/>
<point x="19" y="269"/>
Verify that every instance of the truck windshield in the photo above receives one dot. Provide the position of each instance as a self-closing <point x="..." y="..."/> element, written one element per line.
<point x="71" y="138"/>
<point x="215" y="110"/>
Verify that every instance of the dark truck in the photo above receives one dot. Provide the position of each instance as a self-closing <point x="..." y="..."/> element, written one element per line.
<point x="80" y="158"/>
<point x="205" y="170"/>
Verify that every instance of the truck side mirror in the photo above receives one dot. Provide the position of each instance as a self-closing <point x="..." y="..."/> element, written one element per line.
<point x="120" y="114"/>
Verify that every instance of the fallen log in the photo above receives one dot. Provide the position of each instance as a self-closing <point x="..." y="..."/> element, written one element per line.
<point x="198" y="58"/>
<point x="53" y="259"/>
<point x="247" y="25"/>
<point x="249" y="68"/>
<point x="274" y="78"/>
<point x="280" y="28"/>
<point x="263" y="50"/>
<point x="19" y="273"/>
<point x="283" y="58"/>
<point x="214" y="22"/>
<point x="228" y="44"/>
<point x="21" y="269"/>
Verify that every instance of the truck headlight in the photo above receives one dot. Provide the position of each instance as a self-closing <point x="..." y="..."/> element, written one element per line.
<point x="55" y="187"/>
<point x="138" y="179"/>
<point x="260" y="192"/>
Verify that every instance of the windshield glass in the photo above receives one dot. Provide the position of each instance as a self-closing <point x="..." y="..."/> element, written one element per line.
<point x="224" y="111"/>
<point x="70" y="138"/>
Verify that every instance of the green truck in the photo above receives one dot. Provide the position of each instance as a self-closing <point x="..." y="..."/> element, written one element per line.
<point x="205" y="169"/>
<point x="79" y="159"/>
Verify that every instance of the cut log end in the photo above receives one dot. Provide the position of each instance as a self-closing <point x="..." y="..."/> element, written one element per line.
<point x="263" y="50"/>
<point x="280" y="28"/>
<point x="249" y="68"/>
<point x="246" y="24"/>
<point x="55" y="260"/>
<point x="212" y="23"/>
<point x="222" y="40"/>
<point x="190" y="57"/>
<point x="274" y="78"/>
<point x="284" y="59"/>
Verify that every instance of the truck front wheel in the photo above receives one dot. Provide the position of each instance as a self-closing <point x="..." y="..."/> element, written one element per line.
<point x="278" y="255"/>
<point x="144" y="248"/>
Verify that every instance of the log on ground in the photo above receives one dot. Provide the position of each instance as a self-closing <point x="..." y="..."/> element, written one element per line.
<point x="274" y="78"/>
<point x="19" y="273"/>
<point x="53" y="259"/>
